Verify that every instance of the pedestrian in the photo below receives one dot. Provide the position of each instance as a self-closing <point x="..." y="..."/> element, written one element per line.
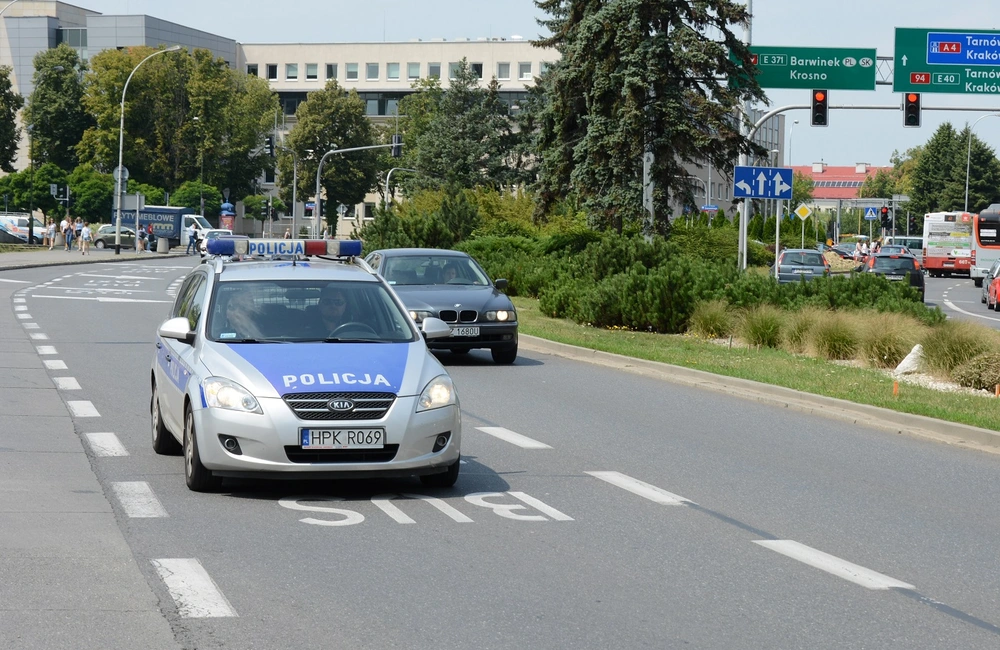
<point x="67" y="230"/>
<point x="864" y="249"/>
<point x="288" y="233"/>
<point x="77" y="229"/>
<point x="192" y="233"/>
<point x="85" y="237"/>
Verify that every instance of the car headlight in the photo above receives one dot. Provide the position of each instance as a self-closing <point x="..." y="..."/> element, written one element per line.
<point x="500" y="315"/>
<point x="224" y="394"/>
<point x="419" y="316"/>
<point x="439" y="392"/>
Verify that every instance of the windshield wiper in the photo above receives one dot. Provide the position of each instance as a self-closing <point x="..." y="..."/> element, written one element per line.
<point x="251" y="340"/>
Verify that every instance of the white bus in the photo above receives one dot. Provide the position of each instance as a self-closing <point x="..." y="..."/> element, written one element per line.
<point x="948" y="243"/>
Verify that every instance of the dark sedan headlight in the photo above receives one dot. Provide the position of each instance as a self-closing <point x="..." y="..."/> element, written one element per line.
<point x="419" y="315"/>
<point x="500" y="315"/>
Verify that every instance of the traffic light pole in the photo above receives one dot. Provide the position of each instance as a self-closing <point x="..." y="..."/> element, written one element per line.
<point x="319" y="172"/>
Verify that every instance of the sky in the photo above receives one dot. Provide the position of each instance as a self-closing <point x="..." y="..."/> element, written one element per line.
<point x="853" y="135"/>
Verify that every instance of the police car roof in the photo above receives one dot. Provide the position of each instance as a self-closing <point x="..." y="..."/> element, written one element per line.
<point x="309" y="269"/>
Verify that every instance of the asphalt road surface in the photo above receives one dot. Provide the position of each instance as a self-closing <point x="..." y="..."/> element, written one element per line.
<point x="595" y="509"/>
<point x="961" y="299"/>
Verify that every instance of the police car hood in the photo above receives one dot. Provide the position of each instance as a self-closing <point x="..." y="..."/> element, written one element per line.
<point x="277" y="369"/>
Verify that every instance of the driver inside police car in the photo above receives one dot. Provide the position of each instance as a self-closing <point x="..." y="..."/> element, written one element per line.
<point x="332" y="309"/>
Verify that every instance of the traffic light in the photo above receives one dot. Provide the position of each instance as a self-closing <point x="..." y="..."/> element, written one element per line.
<point x="912" y="224"/>
<point x="397" y="146"/>
<point x="886" y="218"/>
<point x="263" y="209"/>
<point x="911" y="109"/>
<point x="820" y="109"/>
<point x="269" y="145"/>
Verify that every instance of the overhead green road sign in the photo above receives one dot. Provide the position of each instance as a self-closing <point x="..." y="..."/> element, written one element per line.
<point x="814" y="67"/>
<point x="956" y="61"/>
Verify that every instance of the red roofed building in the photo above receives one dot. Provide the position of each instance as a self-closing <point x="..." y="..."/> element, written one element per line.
<point x="831" y="183"/>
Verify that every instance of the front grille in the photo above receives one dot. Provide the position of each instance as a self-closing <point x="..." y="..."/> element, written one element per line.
<point x="465" y="316"/>
<point x="449" y="315"/>
<point x="468" y="316"/>
<point x="313" y="406"/>
<point x="299" y="455"/>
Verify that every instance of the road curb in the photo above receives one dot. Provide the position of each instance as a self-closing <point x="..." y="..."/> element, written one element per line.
<point x="831" y="407"/>
<point x="88" y="260"/>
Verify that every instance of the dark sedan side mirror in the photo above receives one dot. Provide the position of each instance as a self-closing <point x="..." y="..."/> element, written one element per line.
<point x="501" y="284"/>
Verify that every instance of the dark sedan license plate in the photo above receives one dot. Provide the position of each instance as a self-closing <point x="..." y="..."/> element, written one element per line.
<point x="360" y="438"/>
<point x="894" y="277"/>
<point x="465" y="331"/>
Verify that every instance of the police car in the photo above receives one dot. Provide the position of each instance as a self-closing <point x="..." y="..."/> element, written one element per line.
<point x="293" y="358"/>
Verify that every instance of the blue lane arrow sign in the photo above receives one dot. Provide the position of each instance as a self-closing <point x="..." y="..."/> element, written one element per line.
<point x="870" y="214"/>
<point x="762" y="183"/>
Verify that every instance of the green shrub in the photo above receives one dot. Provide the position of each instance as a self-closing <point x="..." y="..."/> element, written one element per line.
<point x="798" y="326"/>
<point x="980" y="372"/>
<point x="955" y="342"/>
<point x="835" y="337"/>
<point x="761" y="326"/>
<point x="887" y="338"/>
<point x="711" y="319"/>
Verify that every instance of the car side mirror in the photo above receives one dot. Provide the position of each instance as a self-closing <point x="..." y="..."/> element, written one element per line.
<point x="500" y="284"/>
<point x="435" y="328"/>
<point x="177" y="328"/>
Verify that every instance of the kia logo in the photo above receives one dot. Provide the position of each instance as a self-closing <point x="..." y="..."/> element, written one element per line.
<point x="340" y="405"/>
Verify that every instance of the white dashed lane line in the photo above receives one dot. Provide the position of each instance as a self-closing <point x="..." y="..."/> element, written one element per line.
<point x="645" y="490"/>
<point x="106" y="444"/>
<point x="31" y="326"/>
<point x="66" y="383"/>
<point x="137" y="500"/>
<point x="193" y="590"/>
<point x="45" y="349"/>
<point x="20" y="307"/>
<point x="82" y="409"/>
<point x="54" y="364"/>
<point x="833" y="565"/>
<point x="38" y="336"/>
<point x="514" y="438"/>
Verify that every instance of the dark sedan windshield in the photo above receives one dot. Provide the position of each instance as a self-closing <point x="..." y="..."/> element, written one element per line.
<point x="893" y="264"/>
<point x="433" y="269"/>
<point x="802" y="259"/>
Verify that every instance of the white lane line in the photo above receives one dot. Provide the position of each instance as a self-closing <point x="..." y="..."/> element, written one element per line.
<point x="193" y="590"/>
<point x="106" y="444"/>
<point x="514" y="438"/>
<point x="46" y="349"/>
<point x="541" y="506"/>
<point x="54" y="364"/>
<point x="859" y="575"/>
<point x="138" y="500"/>
<point x="105" y="299"/>
<point x="82" y="409"/>
<point x="20" y="300"/>
<point x="104" y="289"/>
<point x="38" y="336"/>
<point x="645" y="490"/>
<point x="24" y="316"/>
<point x="14" y="281"/>
<point x="31" y="326"/>
<point x="116" y="277"/>
<point x="66" y="383"/>
<point x="952" y="305"/>
<point x="20" y="307"/>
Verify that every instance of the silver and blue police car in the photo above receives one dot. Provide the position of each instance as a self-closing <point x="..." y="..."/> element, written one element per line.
<point x="294" y="359"/>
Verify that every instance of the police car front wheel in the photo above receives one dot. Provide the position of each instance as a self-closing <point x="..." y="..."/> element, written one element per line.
<point x="196" y="475"/>
<point x="445" y="479"/>
<point x="164" y="442"/>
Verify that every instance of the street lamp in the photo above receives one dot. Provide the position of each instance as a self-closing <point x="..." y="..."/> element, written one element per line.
<point x="791" y="130"/>
<point x="201" y="171"/>
<point x="968" y="156"/>
<point x="399" y="169"/>
<point x="319" y="170"/>
<point x="121" y="143"/>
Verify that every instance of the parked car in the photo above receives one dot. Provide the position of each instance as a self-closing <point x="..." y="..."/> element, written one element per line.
<point x="895" y="268"/>
<point x="991" y="285"/>
<point x="896" y="249"/>
<point x="105" y="237"/>
<point x="797" y="264"/>
<point x="451" y="286"/>
<point x="845" y="251"/>
<point x="208" y="235"/>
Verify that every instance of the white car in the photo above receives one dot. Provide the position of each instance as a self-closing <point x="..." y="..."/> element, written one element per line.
<point x="249" y="379"/>
<point x="208" y="235"/>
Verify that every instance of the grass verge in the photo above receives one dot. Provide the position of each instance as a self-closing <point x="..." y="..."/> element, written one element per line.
<point x="769" y="366"/>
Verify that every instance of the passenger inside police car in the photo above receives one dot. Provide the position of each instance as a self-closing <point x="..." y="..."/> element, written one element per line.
<point x="241" y="317"/>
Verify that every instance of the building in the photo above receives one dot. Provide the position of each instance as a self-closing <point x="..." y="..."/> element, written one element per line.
<point x="837" y="185"/>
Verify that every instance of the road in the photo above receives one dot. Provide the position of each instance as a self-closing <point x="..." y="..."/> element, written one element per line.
<point x="595" y="509"/>
<point x="959" y="298"/>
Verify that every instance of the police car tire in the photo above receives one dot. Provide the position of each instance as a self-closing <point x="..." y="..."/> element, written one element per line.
<point x="196" y="475"/>
<point x="99" y="244"/>
<point x="504" y="356"/>
<point x="164" y="442"/>
<point x="443" y="480"/>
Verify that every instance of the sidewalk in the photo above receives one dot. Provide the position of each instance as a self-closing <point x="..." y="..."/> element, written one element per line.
<point x="42" y="256"/>
<point x="68" y="578"/>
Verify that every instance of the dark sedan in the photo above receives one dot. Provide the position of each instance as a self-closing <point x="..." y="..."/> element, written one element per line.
<point x="895" y="268"/>
<point x="797" y="264"/>
<point x="451" y="286"/>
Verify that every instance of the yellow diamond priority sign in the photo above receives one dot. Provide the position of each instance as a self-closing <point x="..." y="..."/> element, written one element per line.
<point x="803" y="211"/>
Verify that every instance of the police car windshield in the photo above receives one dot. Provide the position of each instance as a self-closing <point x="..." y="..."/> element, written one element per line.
<point x="433" y="269"/>
<point x="291" y="311"/>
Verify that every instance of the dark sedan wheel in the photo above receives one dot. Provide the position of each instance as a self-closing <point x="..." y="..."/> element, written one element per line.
<point x="504" y="356"/>
<point x="99" y="244"/>
<point x="196" y="475"/>
<point x="163" y="441"/>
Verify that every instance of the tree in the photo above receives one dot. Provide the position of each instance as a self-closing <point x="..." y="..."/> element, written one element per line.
<point x="189" y="195"/>
<point x="636" y="77"/>
<point x="880" y="185"/>
<point x="153" y="195"/>
<point x="55" y="109"/>
<point x="92" y="193"/>
<point x="330" y="119"/>
<point x="938" y="167"/>
<point x="983" y="175"/>
<point x="802" y="189"/>
<point x="10" y="132"/>
<point x="29" y="188"/>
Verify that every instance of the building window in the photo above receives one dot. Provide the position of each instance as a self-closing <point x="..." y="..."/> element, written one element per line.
<point x="352" y="71"/>
<point x="392" y="71"/>
<point x="503" y="71"/>
<point x="453" y="70"/>
<point x="291" y="71"/>
<point x="477" y="69"/>
<point x="272" y="71"/>
<point x="312" y="71"/>
<point x="371" y="107"/>
<point x="371" y="71"/>
<point x="433" y="70"/>
<point x="331" y="70"/>
<point x="369" y="211"/>
<point x="391" y="106"/>
<point x="252" y="69"/>
<point x="412" y="71"/>
<point x="543" y="67"/>
<point x="524" y="71"/>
